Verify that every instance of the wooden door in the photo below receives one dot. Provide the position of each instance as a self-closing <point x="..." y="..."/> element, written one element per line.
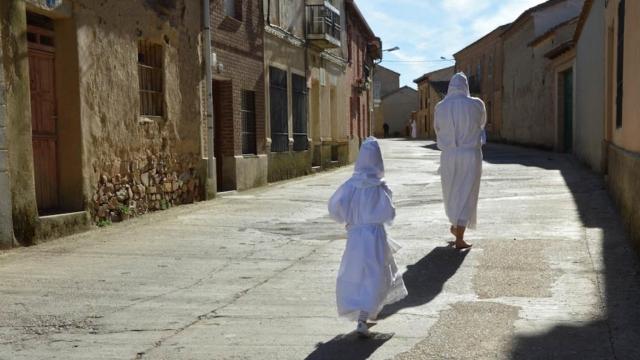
<point x="43" y="118"/>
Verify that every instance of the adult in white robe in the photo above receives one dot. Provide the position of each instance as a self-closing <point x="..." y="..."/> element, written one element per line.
<point x="459" y="126"/>
<point x="414" y="129"/>
<point x="368" y="277"/>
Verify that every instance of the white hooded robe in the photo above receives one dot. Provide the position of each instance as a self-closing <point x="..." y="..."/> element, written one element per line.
<point x="368" y="277"/>
<point x="459" y="126"/>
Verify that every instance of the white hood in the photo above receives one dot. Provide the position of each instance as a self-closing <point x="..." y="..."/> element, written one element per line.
<point x="459" y="85"/>
<point x="369" y="168"/>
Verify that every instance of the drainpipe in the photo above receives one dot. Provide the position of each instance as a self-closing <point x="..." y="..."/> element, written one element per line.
<point x="211" y="165"/>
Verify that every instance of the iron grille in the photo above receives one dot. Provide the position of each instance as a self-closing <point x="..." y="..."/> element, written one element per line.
<point x="248" y="111"/>
<point x="300" y="138"/>
<point x="278" y="110"/>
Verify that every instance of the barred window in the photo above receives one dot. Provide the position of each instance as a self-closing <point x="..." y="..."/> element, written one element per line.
<point x="279" y="110"/>
<point x="300" y="140"/>
<point x="150" y="78"/>
<point x="248" y="110"/>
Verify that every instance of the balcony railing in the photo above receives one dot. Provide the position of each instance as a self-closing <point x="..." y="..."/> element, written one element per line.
<point x="323" y="25"/>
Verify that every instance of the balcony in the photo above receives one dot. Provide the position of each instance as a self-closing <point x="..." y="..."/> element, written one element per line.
<point x="323" y="25"/>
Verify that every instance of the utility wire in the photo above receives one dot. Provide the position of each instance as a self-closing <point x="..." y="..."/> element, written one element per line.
<point x="416" y="61"/>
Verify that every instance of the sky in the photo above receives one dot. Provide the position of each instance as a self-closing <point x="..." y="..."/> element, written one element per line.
<point x="426" y="30"/>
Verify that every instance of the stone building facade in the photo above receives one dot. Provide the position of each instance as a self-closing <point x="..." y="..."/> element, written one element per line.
<point x="363" y="49"/>
<point x="330" y="87"/>
<point x="529" y="115"/>
<point x="397" y="109"/>
<point x="432" y="88"/>
<point x="286" y="90"/>
<point x="385" y="81"/>
<point x="95" y="141"/>
<point x="238" y="94"/>
<point x="482" y="62"/>
<point x="622" y="106"/>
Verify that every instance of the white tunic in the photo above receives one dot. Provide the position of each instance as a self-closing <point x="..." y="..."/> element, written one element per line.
<point x="368" y="277"/>
<point x="414" y="130"/>
<point x="459" y="126"/>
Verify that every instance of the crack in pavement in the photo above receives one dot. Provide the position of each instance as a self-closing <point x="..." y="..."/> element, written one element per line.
<point x="235" y="297"/>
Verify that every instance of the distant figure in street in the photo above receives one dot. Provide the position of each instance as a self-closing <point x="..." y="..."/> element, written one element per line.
<point x="459" y="126"/>
<point x="414" y="129"/>
<point x="385" y="127"/>
<point x="368" y="277"/>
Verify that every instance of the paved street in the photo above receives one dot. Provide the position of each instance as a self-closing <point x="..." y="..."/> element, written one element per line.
<point x="251" y="275"/>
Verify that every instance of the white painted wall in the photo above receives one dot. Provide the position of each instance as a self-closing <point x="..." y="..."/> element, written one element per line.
<point x="590" y="86"/>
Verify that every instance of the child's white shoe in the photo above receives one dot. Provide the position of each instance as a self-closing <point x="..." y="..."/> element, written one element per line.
<point x="363" y="329"/>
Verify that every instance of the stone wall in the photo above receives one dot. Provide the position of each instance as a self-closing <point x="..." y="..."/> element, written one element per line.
<point x="132" y="163"/>
<point x="151" y="184"/>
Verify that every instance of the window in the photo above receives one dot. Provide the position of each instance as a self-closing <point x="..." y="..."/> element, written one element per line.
<point x="620" y="64"/>
<point x="479" y="73"/>
<point x="377" y="89"/>
<point x="275" y="13"/>
<point x="233" y="8"/>
<point x="248" y="111"/>
<point x="279" y="110"/>
<point x="150" y="78"/>
<point x="300" y="140"/>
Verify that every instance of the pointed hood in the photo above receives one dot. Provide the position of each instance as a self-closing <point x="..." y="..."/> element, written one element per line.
<point x="369" y="168"/>
<point x="459" y="85"/>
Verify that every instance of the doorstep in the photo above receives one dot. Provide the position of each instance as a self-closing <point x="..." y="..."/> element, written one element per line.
<point x="58" y="225"/>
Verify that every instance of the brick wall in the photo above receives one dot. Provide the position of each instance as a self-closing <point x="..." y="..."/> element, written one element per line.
<point x="239" y="46"/>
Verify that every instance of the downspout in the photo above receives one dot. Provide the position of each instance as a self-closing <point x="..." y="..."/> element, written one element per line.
<point x="206" y="53"/>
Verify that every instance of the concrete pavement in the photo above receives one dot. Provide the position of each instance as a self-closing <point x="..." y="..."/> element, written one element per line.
<point x="252" y="275"/>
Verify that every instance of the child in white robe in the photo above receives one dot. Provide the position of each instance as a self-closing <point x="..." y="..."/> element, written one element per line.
<point x="368" y="277"/>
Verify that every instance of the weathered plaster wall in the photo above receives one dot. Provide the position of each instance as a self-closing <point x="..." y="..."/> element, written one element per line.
<point x="397" y="110"/>
<point x="590" y="85"/>
<point x="285" y="51"/>
<point x="6" y="225"/>
<point x="528" y="116"/>
<point x="388" y="79"/>
<point x="624" y="175"/>
<point x="329" y="122"/>
<point x="121" y="149"/>
<point x="18" y="119"/>
<point x="628" y="135"/>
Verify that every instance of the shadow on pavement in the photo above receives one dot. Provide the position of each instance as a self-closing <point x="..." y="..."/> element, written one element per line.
<point x="432" y="146"/>
<point x="349" y="347"/>
<point x="425" y="279"/>
<point x="617" y="334"/>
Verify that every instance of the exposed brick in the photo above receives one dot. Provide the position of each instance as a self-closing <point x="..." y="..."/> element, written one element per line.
<point x="239" y="47"/>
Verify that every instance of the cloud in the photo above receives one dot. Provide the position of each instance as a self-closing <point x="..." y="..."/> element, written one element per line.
<point x="429" y="29"/>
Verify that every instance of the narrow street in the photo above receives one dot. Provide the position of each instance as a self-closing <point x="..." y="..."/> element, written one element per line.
<point x="251" y="275"/>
